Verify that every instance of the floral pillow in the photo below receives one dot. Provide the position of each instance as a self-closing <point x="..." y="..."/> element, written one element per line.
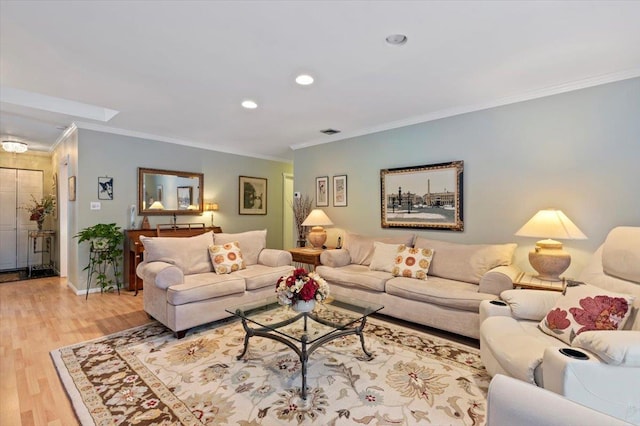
<point x="586" y="308"/>
<point x="412" y="263"/>
<point x="226" y="258"/>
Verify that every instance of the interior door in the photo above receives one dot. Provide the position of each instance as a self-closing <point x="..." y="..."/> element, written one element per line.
<point x="29" y="183"/>
<point x="8" y="217"/>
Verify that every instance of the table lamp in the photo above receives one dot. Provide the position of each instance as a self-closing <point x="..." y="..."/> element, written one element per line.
<point x="317" y="219"/>
<point x="156" y="205"/>
<point x="211" y="207"/>
<point x="548" y="258"/>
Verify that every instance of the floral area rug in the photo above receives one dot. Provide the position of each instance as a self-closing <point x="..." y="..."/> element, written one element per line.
<point x="144" y="376"/>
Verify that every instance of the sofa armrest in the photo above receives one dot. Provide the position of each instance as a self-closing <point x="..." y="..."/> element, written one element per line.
<point x="514" y="402"/>
<point x="498" y="279"/>
<point x="335" y="258"/>
<point x="614" y="347"/>
<point x="608" y="388"/>
<point x="162" y="274"/>
<point x="530" y="305"/>
<point x="274" y="257"/>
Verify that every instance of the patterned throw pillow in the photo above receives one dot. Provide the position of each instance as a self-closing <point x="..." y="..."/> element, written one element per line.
<point x="412" y="262"/>
<point x="586" y="308"/>
<point x="226" y="258"/>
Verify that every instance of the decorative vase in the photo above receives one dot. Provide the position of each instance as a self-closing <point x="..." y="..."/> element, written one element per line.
<point x="302" y="243"/>
<point x="304" y="305"/>
<point x="40" y="222"/>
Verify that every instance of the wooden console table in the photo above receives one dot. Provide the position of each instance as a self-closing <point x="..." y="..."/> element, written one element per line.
<point x="133" y="248"/>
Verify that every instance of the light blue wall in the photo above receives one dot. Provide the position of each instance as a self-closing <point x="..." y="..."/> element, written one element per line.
<point x="578" y="151"/>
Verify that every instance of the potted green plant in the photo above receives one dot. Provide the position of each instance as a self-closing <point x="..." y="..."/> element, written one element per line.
<point x="105" y="249"/>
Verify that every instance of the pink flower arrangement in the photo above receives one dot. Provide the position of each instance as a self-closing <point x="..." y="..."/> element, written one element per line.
<point x="301" y="285"/>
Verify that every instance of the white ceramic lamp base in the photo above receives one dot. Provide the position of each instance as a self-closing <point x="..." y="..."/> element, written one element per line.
<point x="317" y="237"/>
<point x="549" y="261"/>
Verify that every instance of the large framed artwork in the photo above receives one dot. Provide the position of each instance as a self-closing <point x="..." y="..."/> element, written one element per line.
<point x="427" y="196"/>
<point x="322" y="191"/>
<point x="253" y="195"/>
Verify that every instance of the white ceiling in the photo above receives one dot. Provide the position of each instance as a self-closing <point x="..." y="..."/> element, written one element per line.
<point x="177" y="71"/>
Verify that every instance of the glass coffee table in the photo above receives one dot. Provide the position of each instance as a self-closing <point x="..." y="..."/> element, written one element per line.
<point x="304" y="332"/>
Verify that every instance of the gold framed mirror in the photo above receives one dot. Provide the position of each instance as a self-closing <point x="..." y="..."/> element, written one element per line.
<point x="169" y="192"/>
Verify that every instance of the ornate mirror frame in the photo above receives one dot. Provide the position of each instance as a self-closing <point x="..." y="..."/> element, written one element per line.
<point x="170" y="192"/>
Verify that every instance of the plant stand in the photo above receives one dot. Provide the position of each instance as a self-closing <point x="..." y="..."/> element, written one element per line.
<point x="100" y="268"/>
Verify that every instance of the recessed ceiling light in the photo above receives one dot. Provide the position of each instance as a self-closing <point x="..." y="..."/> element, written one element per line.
<point x="397" y="39"/>
<point x="304" y="80"/>
<point x="249" y="104"/>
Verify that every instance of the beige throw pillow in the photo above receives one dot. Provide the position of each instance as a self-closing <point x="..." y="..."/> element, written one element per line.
<point x="361" y="248"/>
<point x="252" y="243"/>
<point x="226" y="258"/>
<point x="384" y="256"/>
<point x="190" y="254"/>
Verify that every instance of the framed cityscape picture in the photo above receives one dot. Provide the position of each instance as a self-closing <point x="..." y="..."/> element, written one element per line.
<point x="427" y="196"/>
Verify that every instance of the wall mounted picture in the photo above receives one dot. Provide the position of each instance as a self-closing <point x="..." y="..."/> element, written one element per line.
<point x="427" y="196"/>
<point x="72" y="188"/>
<point x="105" y="188"/>
<point x="252" y="195"/>
<point x="340" y="191"/>
<point x="185" y="195"/>
<point x="322" y="191"/>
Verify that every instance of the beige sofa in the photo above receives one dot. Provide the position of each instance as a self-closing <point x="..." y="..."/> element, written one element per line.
<point x="460" y="276"/>
<point x="181" y="288"/>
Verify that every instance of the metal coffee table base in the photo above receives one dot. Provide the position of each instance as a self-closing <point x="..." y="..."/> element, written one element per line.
<point x="305" y="350"/>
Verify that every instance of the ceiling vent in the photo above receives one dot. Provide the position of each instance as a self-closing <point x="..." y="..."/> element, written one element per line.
<point x="329" y="131"/>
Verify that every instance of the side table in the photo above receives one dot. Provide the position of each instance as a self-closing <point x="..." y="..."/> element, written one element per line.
<point x="40" y="248"/>
<point x="307" y="255"/>
<point x="529" y="281"/>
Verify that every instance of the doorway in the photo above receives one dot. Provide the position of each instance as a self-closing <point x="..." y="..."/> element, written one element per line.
<point x="288" y="227"/>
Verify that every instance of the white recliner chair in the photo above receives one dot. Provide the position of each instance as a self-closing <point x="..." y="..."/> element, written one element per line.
<point x="598" y="369"/>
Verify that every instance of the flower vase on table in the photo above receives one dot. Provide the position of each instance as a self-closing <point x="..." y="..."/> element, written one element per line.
<point x="301" y="290"/>
<point x="40" y="222"/>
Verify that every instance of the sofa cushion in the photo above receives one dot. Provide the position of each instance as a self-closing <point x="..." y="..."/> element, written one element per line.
<point x="355" y="275"/>
<point x="209" y="285"/>
<point x="586" y="308"/>
<point x="251" y="243"/>
<point x="190" y="254"/>
<point x="439" y="291"/>
<point x="412" y="262"/>
<point x="259" y="276"/>
<point x="361" y="248"/>
<point x="619" y="348"/>
<point x="621" y="253"/>
<point x="384" y="256"/>
<point x="465" y="262"/>
<point x="226" y="258"/>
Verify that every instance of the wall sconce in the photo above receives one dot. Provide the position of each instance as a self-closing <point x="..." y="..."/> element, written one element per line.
<point x="548" y="258"/>
<point x="211" y="207"/>
<point x="317" y="219"/>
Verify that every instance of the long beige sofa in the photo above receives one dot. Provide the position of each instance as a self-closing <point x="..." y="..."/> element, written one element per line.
<point x="182" y="289"/>
<point x="460" y="276"/>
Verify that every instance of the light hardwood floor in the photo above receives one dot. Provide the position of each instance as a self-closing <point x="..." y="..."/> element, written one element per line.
<point x="36" y="317"/>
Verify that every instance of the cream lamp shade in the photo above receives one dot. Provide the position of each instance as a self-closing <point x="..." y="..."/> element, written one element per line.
<point x="317" y="219"/>
<point x="548" y="257"/>
<point x="156" y="205"/>
<point x="211" y="207"/>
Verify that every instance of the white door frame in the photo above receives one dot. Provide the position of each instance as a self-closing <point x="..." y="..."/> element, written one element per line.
<point x="288" y="227"/>
<point x="63" y="215"/>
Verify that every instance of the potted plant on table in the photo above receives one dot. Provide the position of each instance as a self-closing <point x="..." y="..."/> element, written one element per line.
<point x="40" y="209"/>
<point x="105" y="249"/>
<point x="301" y="209"/>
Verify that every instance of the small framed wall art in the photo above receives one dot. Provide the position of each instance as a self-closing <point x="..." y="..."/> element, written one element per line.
<point x="340" y="191"/>
<point x="252" y="195"/>
<point x="322" y="191"/>
<point x="72" y="188"/>
<point x="105" y="188"/>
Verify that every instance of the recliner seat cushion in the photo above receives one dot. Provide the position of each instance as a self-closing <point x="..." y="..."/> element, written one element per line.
<point x="439" y="291"/>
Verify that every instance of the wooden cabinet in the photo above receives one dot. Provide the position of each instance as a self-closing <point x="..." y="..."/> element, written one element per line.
<point x="134" y="250"/>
